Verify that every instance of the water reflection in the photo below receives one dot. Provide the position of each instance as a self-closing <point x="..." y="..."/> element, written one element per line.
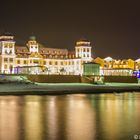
<point x="52" y="128"/>
<point x="117" y="115"/>
<point x="70" y="117"/>
<point x="9" y="118"/>
<point x="80" y="118"/>
<point x="33" y="125"/>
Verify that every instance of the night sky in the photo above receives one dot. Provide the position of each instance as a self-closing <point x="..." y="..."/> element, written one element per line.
<point x="112" y="26"/>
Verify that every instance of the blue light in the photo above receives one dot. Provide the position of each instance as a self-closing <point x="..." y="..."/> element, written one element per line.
<point x="136" y="73"/>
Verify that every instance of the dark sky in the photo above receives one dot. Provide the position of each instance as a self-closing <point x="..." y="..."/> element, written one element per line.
<point x="112" y="26"/>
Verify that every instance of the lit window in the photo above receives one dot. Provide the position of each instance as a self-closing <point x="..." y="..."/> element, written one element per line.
<point x="18" y="61"/>
<point x="50" y="63"/>
<point x="6" y="45"/>
<point x="61" y="63"/>
<point x="10" y="45"/>
<point x="5" y="66"/>
<point x="44" y="62"/>
<point x="6" y="52"/>
<point x="5" y="59"/>
<point x="11" y="59"/>
<point x="36" y="61"/>
<point x="56" y="63"/>
<point x="25" y="62"/>
<point x="10" y="51"/>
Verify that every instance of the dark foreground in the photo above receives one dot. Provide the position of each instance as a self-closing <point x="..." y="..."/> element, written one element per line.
<point x="59" y="89"/>
<point x="70" y="117"/>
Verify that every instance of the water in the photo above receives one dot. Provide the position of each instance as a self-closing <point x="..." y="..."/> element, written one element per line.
<point x="70" y="117"/>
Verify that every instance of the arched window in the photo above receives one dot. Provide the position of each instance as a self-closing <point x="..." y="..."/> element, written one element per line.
<point x="61" y="63"/>
<point x="56" y="62"/>
<point x="44" y="62"/>
<point x="5" y="66"/>
<point x="50" y="63"/>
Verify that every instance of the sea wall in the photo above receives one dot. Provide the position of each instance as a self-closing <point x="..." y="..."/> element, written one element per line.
<point x="87" y="79"/>
<point x="12" y="78"/>
<point x="55" y="78"/>
<point x="64" y="78"/>
<point x="121" y="79"/>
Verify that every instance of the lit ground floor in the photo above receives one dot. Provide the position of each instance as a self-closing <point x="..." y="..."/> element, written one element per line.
<point x="41" y="66"/>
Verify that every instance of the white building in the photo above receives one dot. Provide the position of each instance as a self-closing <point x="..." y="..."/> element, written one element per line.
<point x="34" y="58"/>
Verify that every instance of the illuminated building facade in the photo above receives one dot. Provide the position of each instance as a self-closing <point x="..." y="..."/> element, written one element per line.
<point x="110" y="66"/>
<point x="34" y="58"/>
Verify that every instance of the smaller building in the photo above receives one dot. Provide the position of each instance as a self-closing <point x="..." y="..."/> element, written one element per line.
<point x="137" y="64"/>
<point x="113" y="67"/>
<point x="91" y="68"/>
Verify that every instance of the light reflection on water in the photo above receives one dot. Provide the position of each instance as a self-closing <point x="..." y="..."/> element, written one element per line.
<point x="70" y="117"/>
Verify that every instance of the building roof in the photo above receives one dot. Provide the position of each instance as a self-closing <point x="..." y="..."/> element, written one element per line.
<point x="32" y="38"/>
<point x="138" y="60"/>
<point x="6" y="34"/>
<point x="6" y="37"/>
<point x="21" y="49"/>
<point x="108" y="59"/>
<point x="84" y="40"/>
<point x="54" y="53"/>
<point x="92" y="63"/>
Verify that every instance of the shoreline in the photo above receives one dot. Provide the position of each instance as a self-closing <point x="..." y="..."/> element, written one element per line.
<point x="63" y="89"/>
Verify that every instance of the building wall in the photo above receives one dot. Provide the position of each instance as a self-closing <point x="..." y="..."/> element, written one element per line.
<point x="50" y="60"/>
<point x="55" y="78"/>
<point x="91" y="69"/>
<point x="120" y="79"/>
<point x="117" y="72"/>
<point x="114" y="67"/>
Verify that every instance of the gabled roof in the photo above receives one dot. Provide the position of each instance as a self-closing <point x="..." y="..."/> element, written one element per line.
<point x="108" y="59"/>
<point x="138" y="60"/>
<point x="21" y="49"/>
<point x="98" y="58"/>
